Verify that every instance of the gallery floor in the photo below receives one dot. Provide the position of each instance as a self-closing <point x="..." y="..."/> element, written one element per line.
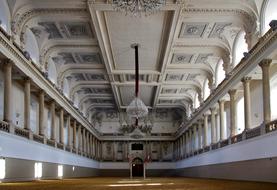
<point x="104" y="183"/>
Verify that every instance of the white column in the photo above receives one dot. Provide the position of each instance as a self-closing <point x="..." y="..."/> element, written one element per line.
<point x="27" y="102"/>
<point x="74" y="133"/>
<point x="184" y="145"/>
<point x="68" y="131"/>
<point x="53" y="122"/>
<point x="80" y="143"/>
<point x="265" y="64"/>
<point x="222" y="120"/>
<point x="199" y="134"/>
<point x="213" y="128"/>
<point x="205" y="140"/>
<point x="233" y="114"/>
<point x="187" y="142"/>
<point x="61" y="126"/>
<point x="84" y="140"/>
<point x="194" y="137"/>
<point x="41" y="113"/>
<point x="8" y="91"/>
<point x="191" y="139"/>
<point x="247" y="102"/>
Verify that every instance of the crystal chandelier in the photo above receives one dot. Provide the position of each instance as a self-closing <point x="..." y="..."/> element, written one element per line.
<point x="137" y="7"/>
<point x="136" y="109"/>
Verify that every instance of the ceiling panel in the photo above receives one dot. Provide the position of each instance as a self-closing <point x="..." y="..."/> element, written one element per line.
<point x="128" y="93"/>
<point x="147" y="31"/>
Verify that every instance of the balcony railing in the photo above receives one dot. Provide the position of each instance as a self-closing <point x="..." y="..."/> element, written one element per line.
<point x="224" y="143"/>
<point x="272" y="126"/>
<point x="237" y="138"/>
<point x="4" y="126"/>
<point x="253" y="132"/>
<point x="21" y="132"/>
<point x="38" y="138"/>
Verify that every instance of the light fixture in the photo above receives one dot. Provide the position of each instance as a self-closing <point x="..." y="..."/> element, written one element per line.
<point x="138" y="7"/>
<point x="136" y="109"/>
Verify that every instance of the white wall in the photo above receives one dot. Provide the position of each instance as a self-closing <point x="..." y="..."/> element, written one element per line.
<point x="13" y="146"/>
<point x="256" y="95"/>
<point x="18" y="105"/>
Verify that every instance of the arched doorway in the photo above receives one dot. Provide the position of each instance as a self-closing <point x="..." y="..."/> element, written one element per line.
<point x="137" y="167"/>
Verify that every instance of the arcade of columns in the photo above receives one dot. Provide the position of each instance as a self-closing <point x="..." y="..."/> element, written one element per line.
<point x="195" y="138"/>
<point x="88" y="144"/>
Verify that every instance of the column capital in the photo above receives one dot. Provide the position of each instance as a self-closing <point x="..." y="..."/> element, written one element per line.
<point x="246" y="79"/>
<point x="41" y="92"/>
<point x="52" y="102"/>
<point x="213" y="109"/>
<point x="221" y="101"/>
<point x="265" y="63"/>
<point x="27" y="79"/>
<point x="232" y="92"/>
<point x="206" y="114"/>
<point x="7" y="62"/>
<point x="199" y="120"/>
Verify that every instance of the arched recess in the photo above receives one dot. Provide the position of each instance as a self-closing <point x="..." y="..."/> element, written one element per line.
<point x="31" y="45"/>
<point x="268" y="13"/>
<point x="5" y="16"/>
<point x="66" y="88"/>
<point x="240" y="46"/>
<point x="52" y="71"/>
<point x="76" y="100"/>
<point x="220" y="73"/>
<point x="196" y="101"/>
<point x="206" y="89"/>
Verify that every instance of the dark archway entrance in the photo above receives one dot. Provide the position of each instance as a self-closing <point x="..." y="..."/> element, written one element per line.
<point x="137" y="167"/>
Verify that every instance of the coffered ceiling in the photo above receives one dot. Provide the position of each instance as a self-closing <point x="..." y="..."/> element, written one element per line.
<point x="89" y="43"/>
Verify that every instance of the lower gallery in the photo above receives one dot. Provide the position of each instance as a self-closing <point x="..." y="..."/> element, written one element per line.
<point x="175" y="94"/>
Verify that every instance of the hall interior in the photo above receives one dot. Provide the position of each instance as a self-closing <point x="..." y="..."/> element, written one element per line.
<point x="179" y="94"/>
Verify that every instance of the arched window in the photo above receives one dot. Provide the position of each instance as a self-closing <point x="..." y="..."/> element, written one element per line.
<point x="66" y="87"/>
<point x="31" y="45"/>
<point x="76" y="100"/>
<point x="196" y="101"/>
<point x="206" y="89"/>
<point x="52" y="71"/>
<point x="268" y="14"/>
<point x="5" y="17"/>
<point x="240" y="46"/>
<point x="240" y="116"/>
<point x="273" y="95"/>
<point x="220" y="73"/>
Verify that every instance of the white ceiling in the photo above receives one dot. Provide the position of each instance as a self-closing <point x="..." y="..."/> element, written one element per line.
<point x="90" y="45"/>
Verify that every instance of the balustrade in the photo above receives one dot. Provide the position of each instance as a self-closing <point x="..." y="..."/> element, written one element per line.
<point x="271" y="126"/>
<point x="38" y="138"/>
<point x="21" y="132"/>
<point x="4" y="126"/>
